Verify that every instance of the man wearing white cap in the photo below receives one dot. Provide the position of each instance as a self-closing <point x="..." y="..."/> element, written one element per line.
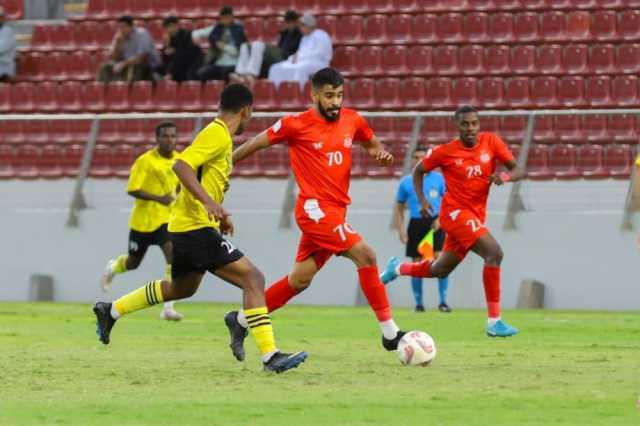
<point x="7" y="50"/>
<point x="315" y="52"/>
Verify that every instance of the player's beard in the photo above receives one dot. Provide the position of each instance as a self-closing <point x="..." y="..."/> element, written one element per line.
<point x="325" y="113"/>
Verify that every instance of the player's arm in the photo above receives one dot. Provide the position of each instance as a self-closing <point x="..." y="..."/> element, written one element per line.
<point x="418" y="174"/>
<point x="144" y="195"/>
<point x="376" y="150"/>
<point x="250" y="147"/>
<point x="514" y="174"/>
<point x="399" y="219"/>
<point x="189" y="180"/>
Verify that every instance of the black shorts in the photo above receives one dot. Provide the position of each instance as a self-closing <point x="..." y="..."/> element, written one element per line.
<point x="416" y="231"/>
<point x="139" y="242"/>
<point x="201" y="250"/>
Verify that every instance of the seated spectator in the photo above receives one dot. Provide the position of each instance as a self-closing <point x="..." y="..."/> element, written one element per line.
<point x="133" y="54"/>
<point x="256" y="58"/>
<point x="224" y="47"/>
<point x="181" y="57"/>
<point x="7" y="50"/>
<point x="315" y="52"/>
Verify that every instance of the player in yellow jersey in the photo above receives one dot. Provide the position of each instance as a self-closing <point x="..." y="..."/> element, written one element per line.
<point x="153" y="184"/>
<point x="197" y="223"/>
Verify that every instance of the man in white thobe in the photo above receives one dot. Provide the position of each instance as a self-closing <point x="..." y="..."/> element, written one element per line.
<point x="7" y="49"/>
<point x="315" y="52"/>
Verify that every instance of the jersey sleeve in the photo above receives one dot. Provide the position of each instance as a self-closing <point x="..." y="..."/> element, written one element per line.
<point x="638" y="161"/>
<point x="502" y="151"/>
<point x="433" y="158"/>
<point x="363" y="132"/>
<point x="402" y="193"/>
<point x="137" y="176"/>
<point x="282" y="131"/>
<point x="202" y="149"/>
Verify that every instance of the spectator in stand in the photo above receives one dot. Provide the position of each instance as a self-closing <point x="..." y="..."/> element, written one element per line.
<point x="315" y="52"/>
<point x="7" y="50"/>
<point x="181" y="57"/>
<point x="256" y="58"/>
<point x="224" y="47"/>
<point x="133" y="54"/>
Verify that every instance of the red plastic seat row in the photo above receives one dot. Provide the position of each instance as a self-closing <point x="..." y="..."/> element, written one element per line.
<point x="13" y="9"/>
<point x="40" y="162"/>
<point x="55" y="66"/>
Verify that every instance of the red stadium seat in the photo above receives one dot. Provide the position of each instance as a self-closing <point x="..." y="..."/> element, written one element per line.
<point x="490" y="92"/>
<point x="369" y="60"/>
<point x="383" y="128"/>
<point x="190" y="9"/>
<point x="80" y="130"/>
<point x="80" y="66"/>
<point x="329" y="24"/>
<point x="211" y="95"/>
<point x="490" y="123"/>
<point x="544" y="92"/>
<point x="525" y="27"/>
<point x="62" y="37"/>
<point x="97" y="9"/>
<point x="594" y="128"/>
<point x="508" y="4"/>
<point x="598" y="91"/>
<point x="512" y="128"/>
<point x="7" y="159"/>
<point x="349" y="29"/>
<point x="471" y="59"/>
<point x="412" y="93"/>
<point x="289" y="96"/>
<point x="395" y="60"/>
<point x="56" y="66"/>
<point x="169" y="7"/>
<point x="578" y="25"/>
<point x="21" y="98"/>
<point x="70" y="159"/>
<point x="190" y="96"/>
<point x="424" y="28"/>
<point x="375" y="29"/>
<point x="501" y="27"/>
<point x="516" y="92"/>
<point x="628" y="58"/>
<point x="601" y="58"/>
<point x="399" y="28"/>
<point x="408" y="6"/>
<point x="253" y="28"/>
<point x="445" y="59"/>
<point x="344" y="60"/>
<point x="603" y="25"/>
<point x="165" y="96"/>
<point x="591" y="162"/>
<point x="439" y="93"/>
<point x="553" y="26"/>
<point x="388" y="93"/>
<point x="264" y="93"/>
<point x="143" y="9"/>
<point x="464" y="91"/>
<point x="5" y="98"/>
<point x="544" y="131"/>
<point x="132" y="131"/>
<point x="574" y="59"/>
<point x="29" y="67"/>
<point x="110" y="132"/>
<point x="101" y="162"/>
<point x="538" y="163"/>
<point x="481" y="5"/>
<point x="45" y="97"/>
<point x="548" y="59"/>
<point x="567" y="128"/>
<point x="141" y="96"/>
<point x="419" y="60"/>
<point x="496" y="59"/>
<point x="380" y="6"/>
<point x="41" y="38"/>
<point x="361" y="93"/>
<point x="563" y="162"/>
<point x="622" y="128"/>
<point x="624" y="90"/>
<point x="117" y="97"/>
<point x="617" y="160"/>
<point x="628" y="25"/>
<point x="436" y="130"/>
<point x="122" y="159"/>
<point x="522" y="59"/>
<point x="27" y="158"/>
<point x="36" y="132"/>
<point x="571" y="91"/>
<point x="60" y="131"/>
<point x="49" y="162"/>
<point x="475" y="28"/>
<point x="449" y="28"/>
<point x="13" y="134"/>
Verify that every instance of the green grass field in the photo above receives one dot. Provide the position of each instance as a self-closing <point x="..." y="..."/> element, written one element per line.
<point x="578" y="368"/>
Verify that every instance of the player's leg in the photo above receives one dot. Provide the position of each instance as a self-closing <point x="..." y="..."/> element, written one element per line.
<point x="443" y="282"/>
<point x="243" y="274"/>
<point x="168" y="312"/>
<point x="488" y="248"/>
<point x="417" y="287"/>
<point x="442" y="266"/>
<point x="138" y="244"/>
<point x="365" y="260"/>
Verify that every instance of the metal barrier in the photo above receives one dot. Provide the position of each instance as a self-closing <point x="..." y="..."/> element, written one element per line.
<point x="515" y="203"/>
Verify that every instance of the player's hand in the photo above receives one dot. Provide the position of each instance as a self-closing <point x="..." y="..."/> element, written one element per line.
<point x="216" y="211"/>
<point x="118" y="67"/>
<point x="425" y="209"/>
<point x="496" y="179"/>
<point x="403" y="236"/>
<point x="226" y="226"/>
<point x="384" y="158"/>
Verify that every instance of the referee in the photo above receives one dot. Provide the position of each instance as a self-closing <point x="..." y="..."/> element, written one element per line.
<point x="420" y="226"/>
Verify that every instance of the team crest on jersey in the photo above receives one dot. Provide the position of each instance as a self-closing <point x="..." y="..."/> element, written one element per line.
<point x="318" y="145"/>
<point x="459" y="162"/>
<point x="485" y="157"/>
<point x="348" y="141"/>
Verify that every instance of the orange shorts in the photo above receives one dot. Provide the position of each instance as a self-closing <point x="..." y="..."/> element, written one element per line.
<point x="463" y="229"/>
<point x="325" y="231"/>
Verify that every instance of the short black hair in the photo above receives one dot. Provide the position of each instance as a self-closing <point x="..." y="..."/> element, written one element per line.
<point x="234" y="97"/>
<point x="421" y="148"/>
<point x="226" y="11"/>
<point x="169" y="20"/>
<point x="164" y="125"/>
<point x="327" y="76"/>
<point x="126" y="19"/>
<point x="291" y="16"/>
<point x="464" y="109"/>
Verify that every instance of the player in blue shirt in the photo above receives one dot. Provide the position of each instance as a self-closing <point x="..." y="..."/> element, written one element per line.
<point x="419" y="226"/>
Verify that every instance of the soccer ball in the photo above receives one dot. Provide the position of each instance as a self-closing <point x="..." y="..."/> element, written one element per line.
<point x="416" y="348"/>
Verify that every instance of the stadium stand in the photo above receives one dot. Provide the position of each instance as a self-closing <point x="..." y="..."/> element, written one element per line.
<point x="397" y="55"/>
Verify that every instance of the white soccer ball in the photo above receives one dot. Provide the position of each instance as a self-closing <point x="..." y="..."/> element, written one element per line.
<point x="416" y="348"/>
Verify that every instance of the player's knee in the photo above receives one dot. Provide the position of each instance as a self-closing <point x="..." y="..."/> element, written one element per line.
<point x="300" y="282"/>
<point x="495" y="255"/>
<point x="255" y="280"/>
<point x="133" y="263"/>
<point x="366" y="256"/>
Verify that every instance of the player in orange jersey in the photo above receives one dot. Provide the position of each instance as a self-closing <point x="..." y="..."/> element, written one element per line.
<point x="469" y="168"/>
<point x="320" y="142"/>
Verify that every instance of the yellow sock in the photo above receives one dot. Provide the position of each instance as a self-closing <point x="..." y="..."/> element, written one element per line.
<point x="149" y="295"/>
<point x="121" y="265"/>
<point x="261" y="329"/>
<point x="167" y="272"/>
